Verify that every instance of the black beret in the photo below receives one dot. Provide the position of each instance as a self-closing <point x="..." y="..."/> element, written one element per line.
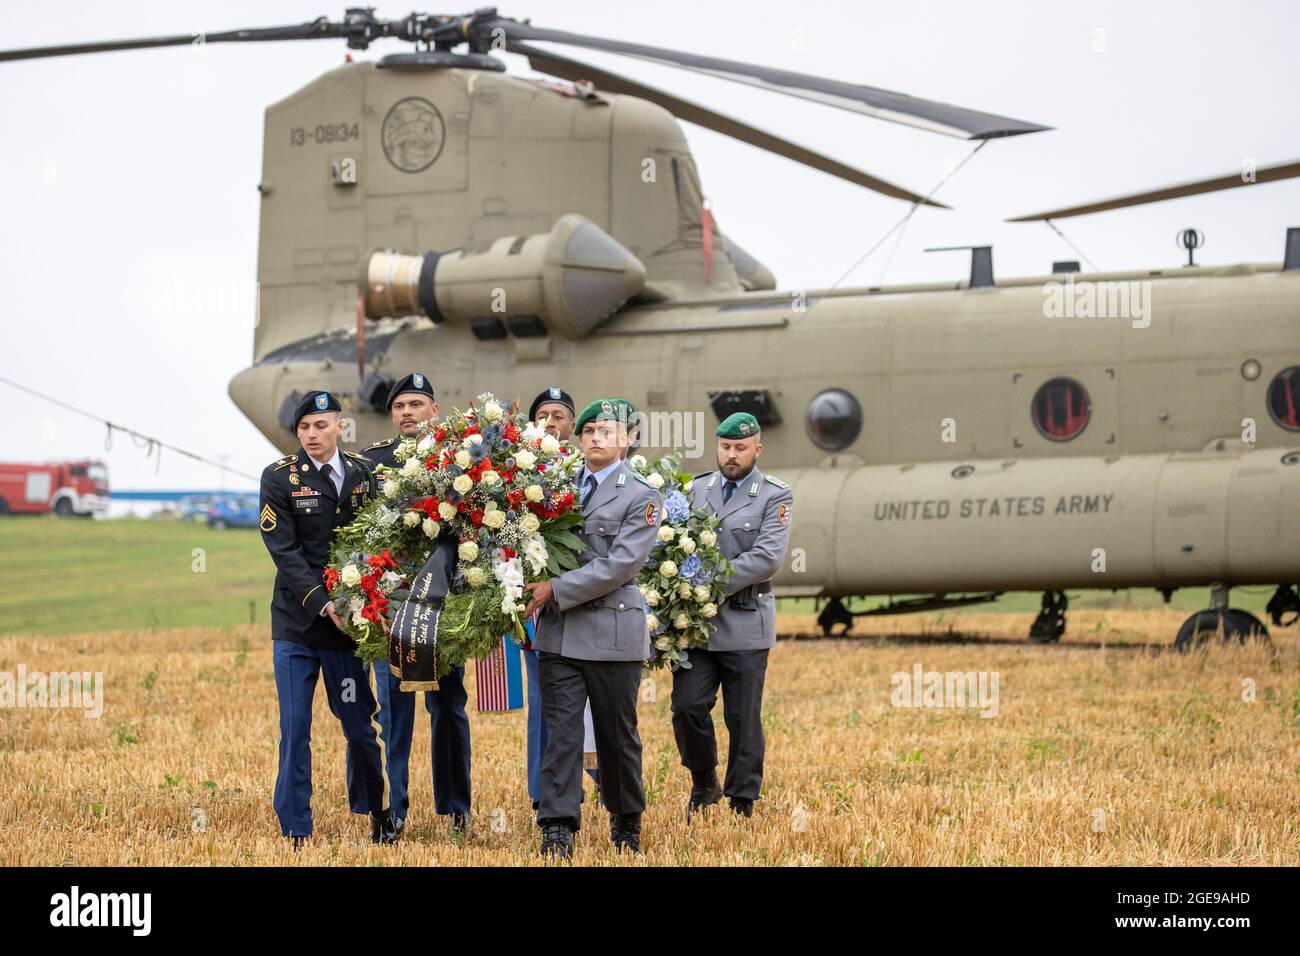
<point x="313" y="403"/>
<point x="548" y="395"/>
<point x="415" y="382"/>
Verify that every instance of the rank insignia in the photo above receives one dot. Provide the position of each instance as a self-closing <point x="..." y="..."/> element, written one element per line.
<point x="622" y="480"/>
<point x="267" y="524"/>
<point x="753" y="490"/>
<point x="650" y="516"/>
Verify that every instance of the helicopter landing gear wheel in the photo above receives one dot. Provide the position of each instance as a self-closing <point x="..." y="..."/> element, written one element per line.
<point x="1234" y="625"/>
<point x="834" y="613"/>
<point x="1050" y="623"/>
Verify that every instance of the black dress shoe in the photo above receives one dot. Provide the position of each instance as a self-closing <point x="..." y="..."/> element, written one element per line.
<point x="384" y="827"/>
<point x="625" y="831"/>
<point x="298" y="842"/>
<point x="742" y="806"/>
<point x="705" y="791"/>
<point x="557" y="841"/>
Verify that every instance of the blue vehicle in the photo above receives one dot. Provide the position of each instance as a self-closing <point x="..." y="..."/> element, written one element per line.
<point x="233" y="511"/>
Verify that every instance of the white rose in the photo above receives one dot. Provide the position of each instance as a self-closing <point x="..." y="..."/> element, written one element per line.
<point x="637" y="462"/>
<point x="463" y="459"/>
<point x="492" y="411"/>
<point x="656" y="480"/>
<point x="351" y="575"/>
<point x="467" y="551"/>
<point x="431" y="528"/>
<point x="652" y="598"/>
<point x="666" y="532"/>
<point x="489" y="479"/>
<point x="651" y="623"/>
<point x="463" y="483"/>
<point x="476" y="577"/>
<point x="524" y="460"/>
<point x="681" y="622"/>
<point x="425" y="445"/>
<point x="550" y="445"/>
<point x="411" y="519"/>
<point x="684" y="590"/>
<point x="708" y="539"/>
<point x="446" y="510"/>
<point x="687" y="544"/>
<point x="412" y="467"/>
<point x="530" y="523"/>
<point x="709" y="610"/>
<point x="701" y="594"/>
<point x="668" y="569"/>
<point x="391" y="488"/>
<point x="683" y="642"/>
<point x="472" y="440"/>
<point x="533" y="492"/>
<point x="494" y="519"/>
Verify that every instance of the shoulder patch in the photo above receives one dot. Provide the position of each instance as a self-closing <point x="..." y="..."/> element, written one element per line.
<point x="286" y="460"/>
<point x="776" y="481"/>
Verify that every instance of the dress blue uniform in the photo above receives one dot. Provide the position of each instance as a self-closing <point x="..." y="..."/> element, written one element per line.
<point x="300" y="508"/>
<point x="448" y="722"/>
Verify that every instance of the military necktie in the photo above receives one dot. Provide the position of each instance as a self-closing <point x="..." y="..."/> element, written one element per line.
<point x="591" y="489"/>
<point x="328" y="472"/>
<point x="728" y="490"/>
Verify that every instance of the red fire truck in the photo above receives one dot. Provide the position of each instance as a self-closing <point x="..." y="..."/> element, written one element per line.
<point x="65" y="488"/>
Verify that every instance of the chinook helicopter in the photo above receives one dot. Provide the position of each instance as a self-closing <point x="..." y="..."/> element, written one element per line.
<point x="428" y="210"/>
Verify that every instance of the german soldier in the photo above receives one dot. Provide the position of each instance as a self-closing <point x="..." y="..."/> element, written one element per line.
<point x="754" y="534"/>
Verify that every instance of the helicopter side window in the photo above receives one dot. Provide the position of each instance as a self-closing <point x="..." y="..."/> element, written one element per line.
<point x="1284" y="398"/>
<point x="834" y="419"/>
<point x="1061" y="409"/>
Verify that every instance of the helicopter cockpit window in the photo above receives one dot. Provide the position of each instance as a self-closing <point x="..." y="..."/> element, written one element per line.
<point x="834" y="419"/>
<point x="1284" y="398"/>
<point x="1061" y="409"/>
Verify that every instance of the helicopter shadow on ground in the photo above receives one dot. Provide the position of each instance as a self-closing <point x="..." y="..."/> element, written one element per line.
<point x="961" y="637"/>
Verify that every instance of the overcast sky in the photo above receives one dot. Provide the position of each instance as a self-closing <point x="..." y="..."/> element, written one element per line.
<point x="130" y="210"/>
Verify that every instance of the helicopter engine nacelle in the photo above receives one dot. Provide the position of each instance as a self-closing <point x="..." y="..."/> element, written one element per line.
<point x="566" y="281"/>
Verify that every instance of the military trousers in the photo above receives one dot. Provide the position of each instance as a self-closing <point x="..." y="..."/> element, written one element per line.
<point x="740" y="675"/>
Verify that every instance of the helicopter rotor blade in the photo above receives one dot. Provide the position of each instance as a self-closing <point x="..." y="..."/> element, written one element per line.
<point x="567" y="69"/>
<point x="317" y="29"/>
<point x="867" y="100"/>
<point x="1265" y="174"/>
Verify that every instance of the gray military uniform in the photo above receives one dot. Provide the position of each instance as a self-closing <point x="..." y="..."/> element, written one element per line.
<point x="599" y="612"/>
<point x="754" y="534"/>
<point x="591" y="642"/>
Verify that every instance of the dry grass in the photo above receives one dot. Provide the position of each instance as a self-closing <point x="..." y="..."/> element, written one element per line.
<point x="1110" y="727"/>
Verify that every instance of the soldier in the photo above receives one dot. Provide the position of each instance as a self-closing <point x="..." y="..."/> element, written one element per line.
<point x="556" y="406"/>
<point x="411" y="402"/>
<point x="304" y="497"/>
<point x="592" y="638"/>
<point x="754" y="534"/>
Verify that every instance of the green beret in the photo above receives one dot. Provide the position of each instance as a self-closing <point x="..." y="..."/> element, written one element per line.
<point x="605" y="409"/>
<point x="738" y="425"/>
